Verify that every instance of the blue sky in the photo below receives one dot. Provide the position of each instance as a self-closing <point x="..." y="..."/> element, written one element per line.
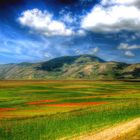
<point x="34" y="31"/>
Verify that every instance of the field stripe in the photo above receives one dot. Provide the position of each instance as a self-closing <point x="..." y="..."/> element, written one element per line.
<point x="113" y="132"/>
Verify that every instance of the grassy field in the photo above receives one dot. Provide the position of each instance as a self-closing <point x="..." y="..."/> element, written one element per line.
<point x="49" y="110"/>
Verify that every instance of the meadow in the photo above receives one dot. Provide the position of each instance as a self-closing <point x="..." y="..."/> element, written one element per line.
<point x="64" y="109"/>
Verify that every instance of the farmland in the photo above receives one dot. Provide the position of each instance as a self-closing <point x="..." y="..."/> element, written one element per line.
<point x="49" y="110"/>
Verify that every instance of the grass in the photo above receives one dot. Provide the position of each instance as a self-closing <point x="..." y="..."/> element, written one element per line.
<point x="41" y="122"/>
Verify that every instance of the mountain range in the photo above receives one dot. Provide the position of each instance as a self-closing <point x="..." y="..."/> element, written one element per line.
<point x="71" y="67"/>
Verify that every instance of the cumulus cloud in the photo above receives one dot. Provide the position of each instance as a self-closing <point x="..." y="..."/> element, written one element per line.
<point x="95" y="50"/>
<point x="129" y="54"/>
<point x="118" y="2"/>
<point x="67" y="17"/>
<point x="127" y="49"/>
<point x="81" y="32"/>
<point x="113" y="16"/>
<point x="43" y="22"/>
<point x="125" y="46"/>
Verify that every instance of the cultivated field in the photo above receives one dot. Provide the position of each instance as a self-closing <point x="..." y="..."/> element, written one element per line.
<point x="49" y="110"/>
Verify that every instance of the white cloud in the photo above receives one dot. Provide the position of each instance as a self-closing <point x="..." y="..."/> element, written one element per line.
<point x="127" y="49"/>
<point x="125" y="46"/>
<point x="81" y="32"/>
<point x="95" y="50"/>
<point x="44" y="23"/>
<point x="77" y="51"/>
<point x="113" y="16"/>
<point x="129" y="54"/>
<point x="68" y="18"/>
<point x="124" y="2"/>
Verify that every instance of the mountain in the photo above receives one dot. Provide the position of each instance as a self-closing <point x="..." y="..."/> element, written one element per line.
<point x="71" y="67"/>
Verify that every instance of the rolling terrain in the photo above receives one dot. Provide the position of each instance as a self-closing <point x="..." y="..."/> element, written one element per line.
<point x="71" y="67"/>
<point x="67" y="109"/>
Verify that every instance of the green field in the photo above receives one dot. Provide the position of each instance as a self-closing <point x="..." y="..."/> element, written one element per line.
<point x="49" y="110"/>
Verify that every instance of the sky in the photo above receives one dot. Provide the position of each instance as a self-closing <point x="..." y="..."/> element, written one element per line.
<point x="39" y="30"/>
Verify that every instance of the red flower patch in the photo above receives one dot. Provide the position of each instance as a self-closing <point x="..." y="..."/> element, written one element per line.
<point x="40" y="102"/>
<point x="7" y="109"/>
<point x="76" y="104"/>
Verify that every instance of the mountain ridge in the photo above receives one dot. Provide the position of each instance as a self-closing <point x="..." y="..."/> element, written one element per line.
<point x="71" y="67"/>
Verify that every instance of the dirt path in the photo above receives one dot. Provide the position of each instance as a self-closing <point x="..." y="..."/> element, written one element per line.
<point x="113" y="132"/>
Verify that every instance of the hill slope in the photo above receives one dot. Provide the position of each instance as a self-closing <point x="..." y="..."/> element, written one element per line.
<point x="71" y="67"/>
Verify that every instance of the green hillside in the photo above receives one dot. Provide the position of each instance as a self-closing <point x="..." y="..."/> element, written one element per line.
<point x="71" y="67"/>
